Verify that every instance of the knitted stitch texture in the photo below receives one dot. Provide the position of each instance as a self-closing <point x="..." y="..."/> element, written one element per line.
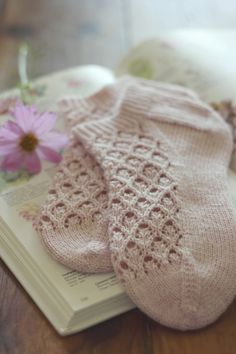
<point x="171" y="222"/>
<point x="77" y="200"/>
<point x="78" y="196"/>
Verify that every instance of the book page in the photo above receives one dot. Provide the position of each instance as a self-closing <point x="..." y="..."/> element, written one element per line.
<point x="21" y="196"/>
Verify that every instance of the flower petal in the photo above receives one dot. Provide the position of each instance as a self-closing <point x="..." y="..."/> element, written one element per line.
<point x="54" y="140"/>
<point x="13" y="162"/>
<point x="7" y="147"/>
<point x="25" y="116"/>
<point x="13" y="127"/>
<point x="44" y="123"/>
<point x="46" y="153"/>
<point x="32" y="162"/>
<point x="7" y="133"/>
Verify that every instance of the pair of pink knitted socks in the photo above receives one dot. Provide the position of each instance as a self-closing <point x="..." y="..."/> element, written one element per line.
<point x="142" y="189"/>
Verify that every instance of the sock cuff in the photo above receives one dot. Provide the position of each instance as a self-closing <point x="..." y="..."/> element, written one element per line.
<point x="78" y="109"/>
<point x="170" y="104"/>
<point x="131" y="99"/>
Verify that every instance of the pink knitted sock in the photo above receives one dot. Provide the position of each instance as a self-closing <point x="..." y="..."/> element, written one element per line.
<point x="77" y="200"/>
<point x="164" y="156"/>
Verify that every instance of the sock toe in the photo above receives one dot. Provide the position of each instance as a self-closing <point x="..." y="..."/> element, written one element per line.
<point x="170" y="303"/>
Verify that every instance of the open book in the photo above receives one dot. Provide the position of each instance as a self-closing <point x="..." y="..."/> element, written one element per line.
<point x="70" y="300"/>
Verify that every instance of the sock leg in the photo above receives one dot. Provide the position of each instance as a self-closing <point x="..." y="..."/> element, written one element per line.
<point x="73" y="221"/>
<point x="77" y="200"/>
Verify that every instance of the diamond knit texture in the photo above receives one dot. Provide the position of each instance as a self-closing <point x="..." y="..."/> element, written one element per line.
<point x="164" y="155"/>
<point x="77" y="198"/>
<point x="77" y="201"/>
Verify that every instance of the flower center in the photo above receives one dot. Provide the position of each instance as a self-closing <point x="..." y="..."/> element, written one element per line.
<point x="28" y="142"/>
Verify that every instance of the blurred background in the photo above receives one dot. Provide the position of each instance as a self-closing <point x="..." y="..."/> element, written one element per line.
<point x="64" y="33"/>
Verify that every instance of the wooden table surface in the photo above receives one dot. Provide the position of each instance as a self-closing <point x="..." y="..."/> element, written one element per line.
<point x="67" y="33"/>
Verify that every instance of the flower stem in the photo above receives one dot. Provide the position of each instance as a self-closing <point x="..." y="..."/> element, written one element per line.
<point x="22" y="64"/>
<point x="22" y="71"/>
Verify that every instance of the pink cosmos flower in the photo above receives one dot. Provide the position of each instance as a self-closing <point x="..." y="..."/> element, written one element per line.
<point x="30" y="139"/>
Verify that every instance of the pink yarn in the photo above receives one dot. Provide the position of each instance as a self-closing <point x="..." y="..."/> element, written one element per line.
<point x="77" y="201"/>
<point x="164" y="156"/>
<point x="144" y="179"/>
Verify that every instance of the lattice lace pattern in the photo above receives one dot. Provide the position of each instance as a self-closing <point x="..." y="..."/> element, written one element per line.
<point x="171" y="233"/>
<point x="77" y="199"/>
<point x="73" y="219"/>
<point x="72" y="200"/>
<point x="143" y="204"/>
